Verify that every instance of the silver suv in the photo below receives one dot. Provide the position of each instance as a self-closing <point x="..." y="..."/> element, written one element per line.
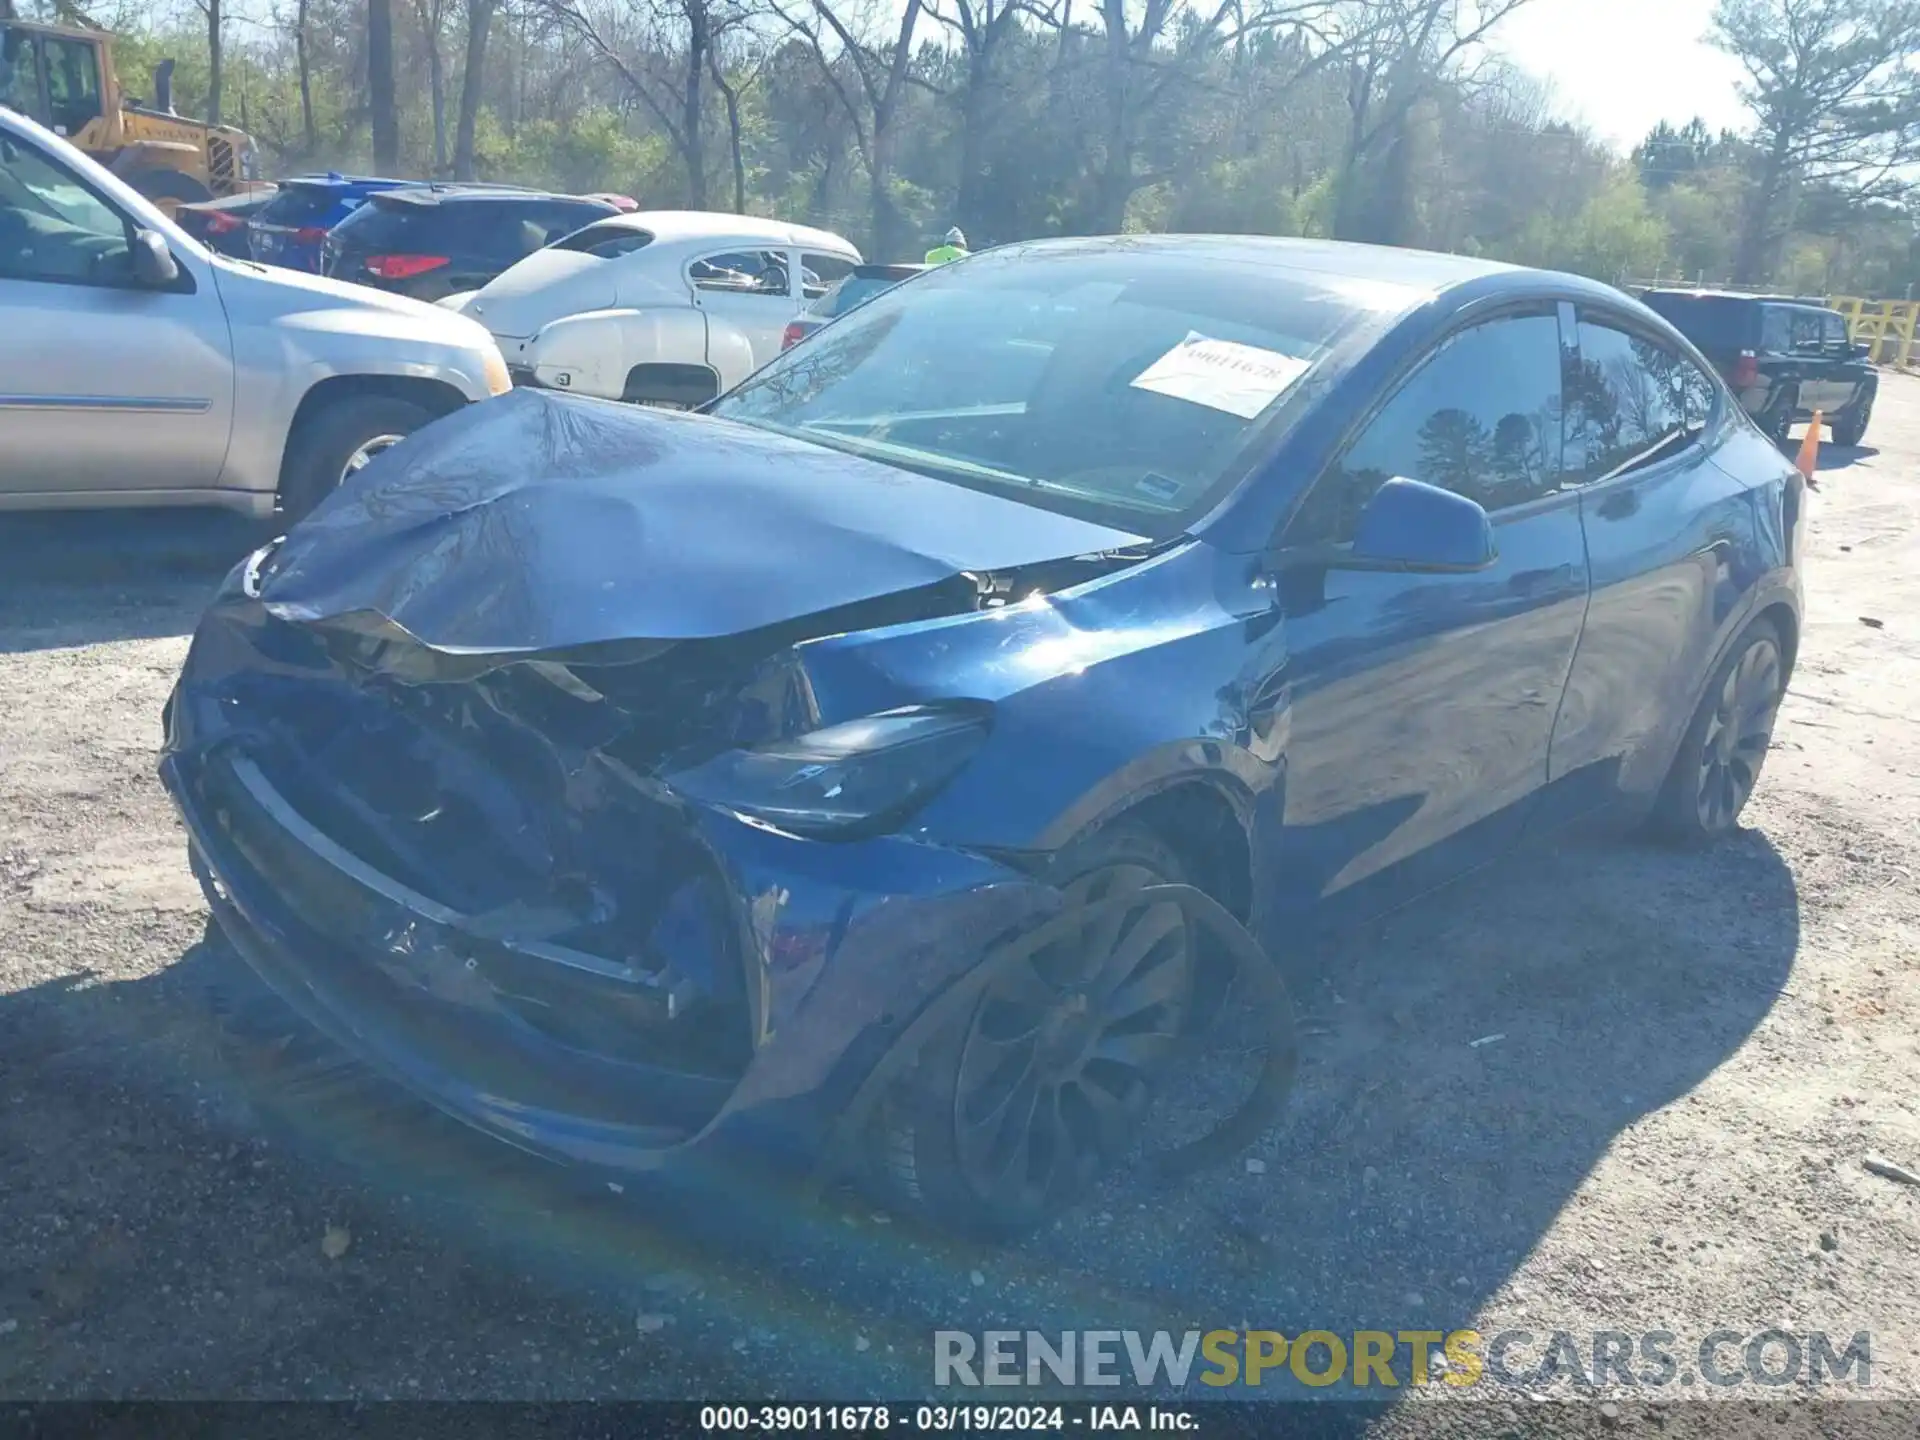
<point x="139" y="368"/>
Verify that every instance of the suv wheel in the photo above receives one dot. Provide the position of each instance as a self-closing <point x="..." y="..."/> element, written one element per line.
<point x="1851" y="430"/>
<point x="342" y="438"/>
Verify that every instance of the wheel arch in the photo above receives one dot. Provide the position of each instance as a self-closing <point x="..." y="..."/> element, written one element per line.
<point x="1205" y="818"/>
<point x="436" y="396"/>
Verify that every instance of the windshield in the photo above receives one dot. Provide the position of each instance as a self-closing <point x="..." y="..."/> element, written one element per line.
<point x="1121" y="384"/>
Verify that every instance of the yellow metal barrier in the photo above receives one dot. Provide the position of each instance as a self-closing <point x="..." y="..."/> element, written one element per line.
<point x="1886" y="325"/>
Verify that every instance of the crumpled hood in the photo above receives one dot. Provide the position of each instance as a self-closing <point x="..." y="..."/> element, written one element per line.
<point x="540" y="521"/>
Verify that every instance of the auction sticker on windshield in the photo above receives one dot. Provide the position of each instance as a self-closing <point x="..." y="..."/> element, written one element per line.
<point x="1222" y="374"/>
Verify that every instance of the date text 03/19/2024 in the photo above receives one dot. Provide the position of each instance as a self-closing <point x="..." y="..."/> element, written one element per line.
<point x="940" y="1419"/>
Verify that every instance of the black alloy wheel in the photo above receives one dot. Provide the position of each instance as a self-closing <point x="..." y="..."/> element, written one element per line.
<point x="1719" y="763"/>
<point x="1851" y="430"/>
<point x="1059" y="1056"/>
<point x="1014" y="1111"/>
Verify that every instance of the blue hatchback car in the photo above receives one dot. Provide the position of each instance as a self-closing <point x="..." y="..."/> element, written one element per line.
<point x="290" y="228"/>
<point x="909" y="764"/>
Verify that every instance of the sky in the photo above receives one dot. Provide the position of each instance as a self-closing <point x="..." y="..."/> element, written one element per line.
<point x="1622" y="66"/>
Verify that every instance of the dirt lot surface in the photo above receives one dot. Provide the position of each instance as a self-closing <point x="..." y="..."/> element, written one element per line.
<point x="1693" y="1056"/>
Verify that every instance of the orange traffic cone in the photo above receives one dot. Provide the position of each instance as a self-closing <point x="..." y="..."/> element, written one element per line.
<point x="1810" y="450"/>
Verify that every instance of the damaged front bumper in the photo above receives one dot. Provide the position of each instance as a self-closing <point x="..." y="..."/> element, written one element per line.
<point x="573" y="960"/>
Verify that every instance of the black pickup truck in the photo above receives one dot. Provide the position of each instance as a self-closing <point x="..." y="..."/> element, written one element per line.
<point x="1784" y="357"/>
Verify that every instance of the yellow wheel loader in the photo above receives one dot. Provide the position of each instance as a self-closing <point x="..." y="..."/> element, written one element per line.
<point x="63" y="76"/>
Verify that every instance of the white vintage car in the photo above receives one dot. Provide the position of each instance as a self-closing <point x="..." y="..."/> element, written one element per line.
<point x="663" y="307"/>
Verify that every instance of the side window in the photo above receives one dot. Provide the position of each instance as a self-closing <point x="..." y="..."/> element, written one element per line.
<point x="19" y="73"/>
<point x="53" y="228"/>
<point x="1833" y="330"/>
<point x="1629" y="401"/>
<point x="608" y="240"/>
<point x="741" y="272"/>
<point x="1776" y="330"/>
<point x="820" y="273"/>
<point x="1480" y="417"/>
<point x="73" y="84"/>
<point x="1806" y="329"/>
<point x="560" y="221"/>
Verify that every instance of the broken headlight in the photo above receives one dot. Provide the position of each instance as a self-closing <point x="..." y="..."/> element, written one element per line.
<point x="861" y="776"/>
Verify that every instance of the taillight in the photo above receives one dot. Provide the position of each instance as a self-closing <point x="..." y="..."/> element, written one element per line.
<point x="310" y="234"/>
<point x="792" y="335"/>
<point x="219" y="222"/>
<point x="404" y="267"/>
<point x="1746" y="370"/>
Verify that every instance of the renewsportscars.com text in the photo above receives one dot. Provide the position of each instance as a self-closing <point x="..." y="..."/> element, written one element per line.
<point x="1387" y="1359"/>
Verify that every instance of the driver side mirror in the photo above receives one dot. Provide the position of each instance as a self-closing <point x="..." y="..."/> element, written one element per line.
<point x="1860" y="350"/>
<point x="153" y="264"/>
<point x="1409" y="525"/>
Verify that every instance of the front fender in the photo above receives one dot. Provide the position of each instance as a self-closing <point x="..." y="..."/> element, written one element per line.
<point x="592" y="353"/>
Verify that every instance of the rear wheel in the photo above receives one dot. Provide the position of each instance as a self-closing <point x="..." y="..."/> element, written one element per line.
<point x="343" y="438"/>
<point x="1719" y="762"/>
<point x="1016" y="1110"/>
<point x="1851" y="428"/>
<point x="169" y="189"/>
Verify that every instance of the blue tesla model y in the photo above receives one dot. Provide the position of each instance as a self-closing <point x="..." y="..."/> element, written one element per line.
<point x="905" y="765"/>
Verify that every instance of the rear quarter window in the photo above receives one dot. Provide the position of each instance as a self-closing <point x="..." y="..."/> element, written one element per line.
<point x="606" y="240"/>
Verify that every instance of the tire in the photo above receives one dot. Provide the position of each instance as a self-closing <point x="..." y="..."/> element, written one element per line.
<point x="1720" y="757"/>
<point x="1853" y="429"/>
<point x="323" y="449"/>
<point x="169" y="189"/>
<point x="930" y="1161"/>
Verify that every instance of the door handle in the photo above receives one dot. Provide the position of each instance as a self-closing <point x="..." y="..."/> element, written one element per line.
<point x="1619" y="505"/>
<point x="1532" y="582"/>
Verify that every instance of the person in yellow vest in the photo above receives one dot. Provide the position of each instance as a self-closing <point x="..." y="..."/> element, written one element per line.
<point x="953" y="248"/>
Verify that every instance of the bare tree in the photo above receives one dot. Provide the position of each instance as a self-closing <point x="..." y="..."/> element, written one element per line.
<point x="666" y="62"/>
<point x="983" y="29"/>
<point x="385" y="113"/>
<point x="472" y="85"/>
<point x="213" y="13"/>
<point x="869" y="76"/>
<point x="1834" y="87"/>
<point x="431" y="16"/>
<point x="1398" y="53"/>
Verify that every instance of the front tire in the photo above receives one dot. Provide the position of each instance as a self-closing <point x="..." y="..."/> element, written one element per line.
<point x="1015" y="1111"/>
<point x="341" y="439"/>
<point x="1719" y="761"/>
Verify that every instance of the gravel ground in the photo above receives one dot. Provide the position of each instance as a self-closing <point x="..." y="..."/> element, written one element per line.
<point x="1696" y="1052"/>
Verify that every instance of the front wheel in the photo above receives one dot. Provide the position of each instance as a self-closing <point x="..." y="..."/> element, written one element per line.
<point x="1719" y="762"/>
<point x="1015" y="1111"/>
<point x="342" y="439"/>
<point x="1851" y="429"/>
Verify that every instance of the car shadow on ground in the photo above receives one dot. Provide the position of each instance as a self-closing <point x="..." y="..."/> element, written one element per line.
<point x="1835" y="456"/>
<point x="84" y="578"/>
<point x="78" y="545"/>
<point x="1412" y="1173"/>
